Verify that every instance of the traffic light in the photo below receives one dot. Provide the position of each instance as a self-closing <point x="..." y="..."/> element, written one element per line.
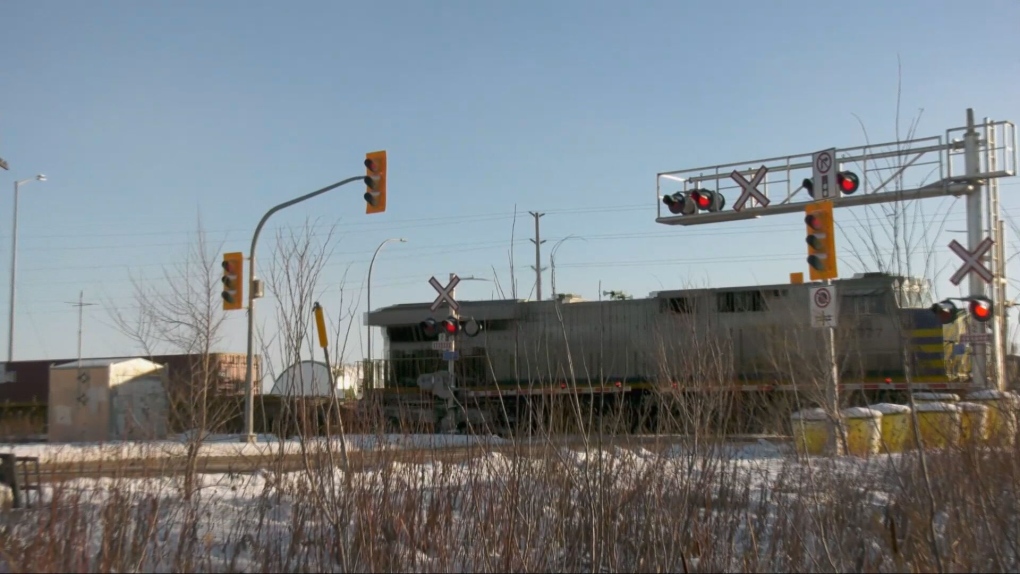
<point x="809" y="185"/>
<point x="375" y="180"/>
<point x="450" y="326"/>
<point x="981" y="309"/>
<point x="233" y="280"/>
<point x="708" y="200"/>
<point x="429" y="327"/>
<point x="821" y="240"/>
<point x="847" y="182"/>
<point x="680" y="203"/>
<point x="946" y="311"/>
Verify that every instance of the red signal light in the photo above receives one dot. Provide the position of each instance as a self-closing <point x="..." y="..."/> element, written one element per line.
<point x="702" y="200"/>
<point x="981" y="309"/>
<point x="847" y="181"/>
<point x="814" y="222"/>
<point x="450" y="326"/>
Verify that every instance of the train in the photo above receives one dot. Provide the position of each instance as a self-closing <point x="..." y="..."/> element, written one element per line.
<point x="753" y="343"/>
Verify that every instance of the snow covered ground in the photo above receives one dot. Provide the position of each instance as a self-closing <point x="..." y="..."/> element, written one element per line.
<point x="229" y="446"/>
<point x="736" y="507"/>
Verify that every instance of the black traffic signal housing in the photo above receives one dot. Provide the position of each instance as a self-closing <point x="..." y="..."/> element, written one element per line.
<point x="680" y="203"/>
<point x="708" y="200"/>
<point x="375" y="181"/>
<point x="429" y="327"/>
<point x="980" y="309"/>
<point x="821" y="240"/>
<point x="233" y="281"/>
<point x="946" y="311"/>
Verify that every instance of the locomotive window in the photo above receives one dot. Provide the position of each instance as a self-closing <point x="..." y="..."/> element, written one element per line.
<point x="740" y="301"/>
<point x="678" y="305"/>
<point x="865" y="304"/>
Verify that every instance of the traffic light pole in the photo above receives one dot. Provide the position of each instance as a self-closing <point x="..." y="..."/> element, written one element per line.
<point x="249" y="399"/>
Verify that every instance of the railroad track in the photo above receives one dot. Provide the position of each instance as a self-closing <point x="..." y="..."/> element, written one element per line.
<point x="358" y="460"/>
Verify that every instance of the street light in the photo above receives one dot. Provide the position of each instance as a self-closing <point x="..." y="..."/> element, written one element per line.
<point x="370" y="265"/>
<point x="249" y="398"/>
<point x="14" y="266"/>
<point x="552" y="261"/>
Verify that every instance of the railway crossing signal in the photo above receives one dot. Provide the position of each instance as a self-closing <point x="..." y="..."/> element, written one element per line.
<point x="429" y="327"/>
<point x="680" y="203"/>
<point x="848" y="182"/>
<point x="946" y="311"/>
<point x="451" y="326"/>
<point x="821" y="240"/>
<point x="233" y="289"/>
<point x="708" y="200"/>
<point x="375" y="180"/>
<point x="980" y="309"/>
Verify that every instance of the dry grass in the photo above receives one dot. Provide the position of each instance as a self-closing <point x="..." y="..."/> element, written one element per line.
<point x="620" y="507"/>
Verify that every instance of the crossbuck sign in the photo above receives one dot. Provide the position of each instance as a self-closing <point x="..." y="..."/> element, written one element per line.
<point x="971" y="261"/>
<point x="445" y="293"/>
<point x="750" y="188"/>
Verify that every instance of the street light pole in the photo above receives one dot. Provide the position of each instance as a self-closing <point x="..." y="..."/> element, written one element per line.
<point x="371" y="264"/>
<point x="552" y="261"/>
<point x="249" y="399"/>
<point x="14" y="267"/>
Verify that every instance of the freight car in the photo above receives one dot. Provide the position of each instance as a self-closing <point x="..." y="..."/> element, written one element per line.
<point x="752" y="341"/>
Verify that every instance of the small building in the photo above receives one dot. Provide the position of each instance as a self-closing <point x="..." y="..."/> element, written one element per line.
<point x="101" y="400"/>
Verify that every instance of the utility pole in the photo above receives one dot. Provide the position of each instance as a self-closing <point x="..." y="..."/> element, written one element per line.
<point x="538" y="256"/>
<point x="80" y="305"/>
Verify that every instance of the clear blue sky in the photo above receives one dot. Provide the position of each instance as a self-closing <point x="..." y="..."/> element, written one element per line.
<point x="145" y="114"/>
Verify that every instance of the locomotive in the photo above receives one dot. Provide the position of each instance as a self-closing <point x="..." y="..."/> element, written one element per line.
<point x="626" y="355"/>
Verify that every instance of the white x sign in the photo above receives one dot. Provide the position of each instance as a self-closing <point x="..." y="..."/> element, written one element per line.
<point x="750" y="188"/>
<point x="971" y="261"/>
<point x="444" y="293"/>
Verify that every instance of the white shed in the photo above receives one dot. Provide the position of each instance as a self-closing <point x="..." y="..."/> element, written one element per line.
<point x="100" y="400"/>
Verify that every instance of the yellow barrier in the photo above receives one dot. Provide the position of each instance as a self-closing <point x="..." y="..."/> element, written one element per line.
<point x="897" y="433"/>
<point x="863" y="431"/>
<point x="810" y="431"/>
<point x="1002" y="420"/>
<point x="973" y="422"/>
<point x="939" y="424"/>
